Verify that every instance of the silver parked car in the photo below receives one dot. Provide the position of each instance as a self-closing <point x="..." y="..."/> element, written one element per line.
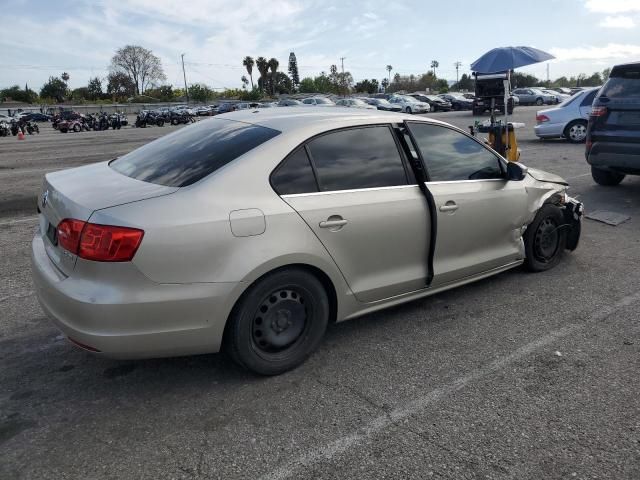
<point x="569" y="119"/>
<point x="354" y="103"/>
<point x="410" y="104"/>
<point x="318" y="102"/>
<point x="254" y="230"/>
<point x="533" y="96"/>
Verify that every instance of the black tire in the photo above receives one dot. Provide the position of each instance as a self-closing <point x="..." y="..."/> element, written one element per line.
<point x="64" y="130"/>
<point x="606" y="177"/>
<point x="539" y="101"/>
<point x="510" y="110"/>
<point x="408" y="110"/>
<point x="174" y="121"/>
<point x="576" y="131"/>
<point x="160" y="122"/>
<point x="278" y="322"/>
<point x="545" y="239"/>
<point x="77" y="127"/>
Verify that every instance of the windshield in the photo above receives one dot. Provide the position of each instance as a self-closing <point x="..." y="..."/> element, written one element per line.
<point x="382" y="101"/>
<point x="190" y="154"/>
<point x="358" y="102"/>
<point x="323" y="101"/>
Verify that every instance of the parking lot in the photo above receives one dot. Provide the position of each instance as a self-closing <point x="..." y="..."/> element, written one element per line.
<point x="518" y="376"/>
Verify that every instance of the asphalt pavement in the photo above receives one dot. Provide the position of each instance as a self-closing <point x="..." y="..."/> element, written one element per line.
<point x="525" y="376"/>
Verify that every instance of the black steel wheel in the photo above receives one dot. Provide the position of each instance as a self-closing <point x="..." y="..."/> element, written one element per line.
<point x="278" y="322"/>
<point x="545" y="239"/>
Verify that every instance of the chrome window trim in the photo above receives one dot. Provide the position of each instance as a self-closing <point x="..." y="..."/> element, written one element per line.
<point x="467" y="181"/>
<point x="331" y="192"/>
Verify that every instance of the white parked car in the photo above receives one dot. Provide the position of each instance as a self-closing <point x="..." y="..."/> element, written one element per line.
<point x="354" y="103"/>
<point x="410" y="104"/>
<point x="560" y="97"/>
<point x="318" y="102"/>
<point x="567" y="120"/>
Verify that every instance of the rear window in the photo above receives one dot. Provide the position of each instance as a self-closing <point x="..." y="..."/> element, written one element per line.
<point x="625" y="83"/>
<point x="190" y="154"/>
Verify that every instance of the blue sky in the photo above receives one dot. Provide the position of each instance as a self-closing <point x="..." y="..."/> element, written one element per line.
<point x="39" y="38"/>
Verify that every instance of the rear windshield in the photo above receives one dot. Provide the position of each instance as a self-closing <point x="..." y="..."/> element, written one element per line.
<point x="625" y="84"/>
<point x="190" y="154"/>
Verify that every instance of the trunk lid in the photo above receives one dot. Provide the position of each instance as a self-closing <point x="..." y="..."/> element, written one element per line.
<point x="77" y="193"/>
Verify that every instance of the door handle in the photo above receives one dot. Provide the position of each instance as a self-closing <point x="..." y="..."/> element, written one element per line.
<point x="449" y="207"/>
<point x="333" y="223"/>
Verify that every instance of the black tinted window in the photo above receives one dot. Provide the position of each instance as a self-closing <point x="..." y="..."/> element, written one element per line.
<point x="184" y="157"/>
<point x="451" y="155"/>
<point x="357" y="158"/>
<point x="625" y="86"/>
<point x="294" y="175"/>
<point x="588" y="98"/>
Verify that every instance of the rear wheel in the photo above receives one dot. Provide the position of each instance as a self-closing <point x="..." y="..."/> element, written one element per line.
<point x="606" y="177"/>
<point x="408" y="110"/>
<point x="160" y="122"/>
<point x="278" y="322"/>
<point x="545" y="239"/>
<point x="576" y="131"/>
<point x="539" y="101"/>
<point x="77" y="127"/>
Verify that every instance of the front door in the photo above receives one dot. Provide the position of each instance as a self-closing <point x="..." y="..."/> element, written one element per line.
<point x="480" y="214"/>
<point x="372" y="221"/>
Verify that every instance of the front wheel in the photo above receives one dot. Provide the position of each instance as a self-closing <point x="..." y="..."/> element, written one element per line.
<point x="545" y="239"/>
<point x="576" y="131"/>
<point x="77" y="127"/>
<point x="174" y="121"/>
<point x="539" y="101"/>
<point x="606" y="177"/>
<point x="278" y="322"/>
<point x="408" y="110"/>
<point x="160" y="122"/>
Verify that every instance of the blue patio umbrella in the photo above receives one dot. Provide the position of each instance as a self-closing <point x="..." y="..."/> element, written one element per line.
<point x="508" y="58"/>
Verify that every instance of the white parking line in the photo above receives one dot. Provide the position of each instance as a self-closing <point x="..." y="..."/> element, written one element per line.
<point x="380" y="423"/>
<point x="20" y="220"/>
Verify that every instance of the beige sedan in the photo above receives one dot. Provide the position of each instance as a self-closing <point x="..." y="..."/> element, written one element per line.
<point x="254" y="230"/>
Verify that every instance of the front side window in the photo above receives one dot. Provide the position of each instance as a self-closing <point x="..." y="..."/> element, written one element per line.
<point x="366" y="157"/>
<point x="308" y="101"/>
<point x="452" y="156"/>
<point x="191" y="153"/>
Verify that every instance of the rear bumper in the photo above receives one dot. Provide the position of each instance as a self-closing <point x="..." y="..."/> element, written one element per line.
<point x="129" y="316"/>
<point x="623" y="157"/>
<point x="549" y="130"/>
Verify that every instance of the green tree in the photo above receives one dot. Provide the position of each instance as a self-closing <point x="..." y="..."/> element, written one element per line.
<point x="263" y="68"/>
<point x="293" y="70"/>
<point x="80" y="94"/>
<point x="389" y="68"/>
<point x="55" y="88"/>
<point x="94" y="88"/>
<point x="120" y="85"/>
<point x="199" y="92"/>
<point x="245" y="81"/>
<point x="248" y="63"/>
<point x="65" y="77"/>
<point x="465" y="83"/>
<point x="307" y="85"/>
<point x="273" y="66"/>
<point x="434" y="64"/>
<point x="605" y="74"/>
<point x="15" y="93"/>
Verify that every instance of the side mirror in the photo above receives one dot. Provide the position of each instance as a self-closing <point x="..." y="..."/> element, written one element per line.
<point x="516" y="172"/>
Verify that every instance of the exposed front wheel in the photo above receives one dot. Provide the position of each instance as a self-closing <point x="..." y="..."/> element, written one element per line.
<point x="539" y="101"/>
<point x="545" y="239"/>
<point x="278" y="322"/>
<point x="576" y="131"/>
<point x="606" y="177"/>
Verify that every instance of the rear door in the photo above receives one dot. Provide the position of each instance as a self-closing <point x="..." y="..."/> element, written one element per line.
<point x="373" y="222"/>
<point x="479" y="213"/>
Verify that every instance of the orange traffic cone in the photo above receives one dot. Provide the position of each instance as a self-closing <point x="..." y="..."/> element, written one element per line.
<point x="20" y="135"/>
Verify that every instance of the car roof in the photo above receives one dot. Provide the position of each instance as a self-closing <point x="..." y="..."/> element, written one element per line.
<point x="301" y="118"/>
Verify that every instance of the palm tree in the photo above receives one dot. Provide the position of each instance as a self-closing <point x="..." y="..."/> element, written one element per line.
<point x="65" y="76"/>
<point x="263" y="68"/>
<point x="389" y="68"/>
<point x="248" y="63"/>
<point x="434" y="65"/>
<point x="273" y="65"/>
<point x="245" y="81"/>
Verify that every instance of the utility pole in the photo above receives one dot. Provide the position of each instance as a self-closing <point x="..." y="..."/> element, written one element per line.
<point x="547" y="73"/>
<point x="184" y="75"/>
<point x="458" y="64"/>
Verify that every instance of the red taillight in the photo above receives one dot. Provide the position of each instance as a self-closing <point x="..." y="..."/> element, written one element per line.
<point x="541" y="118"/>
<point x="100" y="243"/>
<point x="598" y="111"/>
<point x="69" y="231"/>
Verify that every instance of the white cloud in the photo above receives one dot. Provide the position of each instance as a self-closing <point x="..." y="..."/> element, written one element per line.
<point x="613" y="6"/>
<point x="619" y="21"/>
<point x="609" y="52"/>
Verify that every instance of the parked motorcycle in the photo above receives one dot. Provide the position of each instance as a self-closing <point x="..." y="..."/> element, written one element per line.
<point x="75" y="125"/>
<point x="181" y="117"/>
<point x="32" y="127"/>
<point x="4" y="129"/>
<point x="145" y="118"/>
